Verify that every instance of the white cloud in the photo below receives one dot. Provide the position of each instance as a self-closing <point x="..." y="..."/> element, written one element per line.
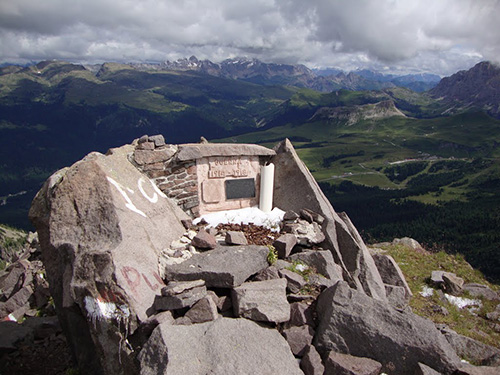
<point x="430" y="35"/>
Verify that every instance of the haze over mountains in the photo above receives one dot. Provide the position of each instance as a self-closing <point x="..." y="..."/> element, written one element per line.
<point x="325" y="80"/>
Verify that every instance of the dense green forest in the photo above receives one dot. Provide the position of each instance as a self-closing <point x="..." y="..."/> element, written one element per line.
<point x="469" y="226"/>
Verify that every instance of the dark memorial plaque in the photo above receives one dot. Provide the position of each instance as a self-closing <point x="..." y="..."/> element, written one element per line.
<point x="240" y="188"/>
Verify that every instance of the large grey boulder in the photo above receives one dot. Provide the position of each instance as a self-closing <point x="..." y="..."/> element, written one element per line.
<point x="358" y="259"/>
<point x="221" y="347"/>
<point x="352" y="323"/>
<point x="480" y="290"/>
<point x="296" y="189"/>
<point x="263" y="301"/>
<point x="391" y="273"/>
<point x="472" y="350"/>
<point x="101" y="226"/>
<point x="223" y="267"/>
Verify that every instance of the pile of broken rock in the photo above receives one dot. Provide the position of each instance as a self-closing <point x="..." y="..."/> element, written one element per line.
<point x="29" y="329"/>
<point x="215" y="304"/>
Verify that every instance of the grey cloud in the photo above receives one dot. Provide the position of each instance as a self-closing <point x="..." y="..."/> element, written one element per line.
<point x="386" y="33"/>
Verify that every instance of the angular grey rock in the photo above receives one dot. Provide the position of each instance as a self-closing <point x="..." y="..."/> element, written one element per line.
<point x="178" y="287"/>
<point x="396" y="296"/>
<point x="269" y="273"/>
<point x="345" y="364"/>
<point x="320" y="281"/>
<point x="158" y="140"/>
<point x="307" y="234"/>
<point x="101" y="226"/>
<point x="358" y="260"/>
<point x="447" y="281"/>
<point x="204" y="240"/>
<point x="13" y="278"/>
<point x="294" y="281"/>
<point x="145" y="329"/>
<point x="300" y="314"/>
<point x="452" y="283"/>
<point x="224" y="303"/>
<point x="467" y="369"/>
<point x="471" y="349"/>
<point x="390" y="272"/>
<point x="160" y="155"/>
<point x="311" y="362"/>
<point x="480" y="290"/>
<point x="296" y="189"/>
<point x="179" y="294"/>
<point x="16" y="302"/>
<point x="322" y="261"/>
<point x="182" y="321"/>
<point x="409" y="242"/>
<point x="146" y="146"/>
<point x="235" y="238"/>
<point x="437" y="278"/>
<point x="425" y="370"/>
<point x="220" y="347"/>
<point x="299" y="338"/>
<point x="290" y="216"/>
<point x="351" y="322"/>
<point x="223" y="267"/>
<point x="284" y="245"/>
<point x="262" y="301"/>
<point x="306" y="215"/>
<point x="202" y="311"/>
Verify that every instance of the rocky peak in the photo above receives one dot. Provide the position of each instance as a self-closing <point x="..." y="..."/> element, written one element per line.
<point x="478" y="87"/>
<point x="353" y="114"/>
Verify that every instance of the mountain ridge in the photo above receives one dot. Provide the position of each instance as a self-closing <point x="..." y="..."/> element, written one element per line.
<point x="478" y="87"/>
<point x="257" y="71"/>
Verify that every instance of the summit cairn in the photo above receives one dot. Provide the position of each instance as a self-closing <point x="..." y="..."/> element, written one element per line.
<point x="137" y="293"/>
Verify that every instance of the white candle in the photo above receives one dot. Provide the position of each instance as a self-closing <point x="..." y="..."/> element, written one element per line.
<point x="266" y="187"/>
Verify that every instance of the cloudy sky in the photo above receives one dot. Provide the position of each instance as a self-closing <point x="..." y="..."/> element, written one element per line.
<point x="439" y="36"/>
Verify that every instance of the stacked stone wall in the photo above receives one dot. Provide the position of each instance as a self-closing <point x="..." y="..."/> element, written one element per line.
<point x="177" y="179"/>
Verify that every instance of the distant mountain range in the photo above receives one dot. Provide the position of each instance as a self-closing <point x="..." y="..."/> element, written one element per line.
<point x="256" y="71"/>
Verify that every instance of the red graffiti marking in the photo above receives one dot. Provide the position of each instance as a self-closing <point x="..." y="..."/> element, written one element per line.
<point x="133" y="278"/>
<point x="134" y="282"/>
<point x="158" y="278"/>
<point x="152" y="287"/>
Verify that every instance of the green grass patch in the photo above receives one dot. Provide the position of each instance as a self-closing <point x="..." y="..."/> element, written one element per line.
<point x="417" y="267"/>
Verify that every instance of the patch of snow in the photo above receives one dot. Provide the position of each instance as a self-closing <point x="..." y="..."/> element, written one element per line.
<point x="301" y="267"/>
<point x="461" y="302"/>
<point x="98" y="309"/>
<point x="270" y="220"/>
<point x="427" y="291"/>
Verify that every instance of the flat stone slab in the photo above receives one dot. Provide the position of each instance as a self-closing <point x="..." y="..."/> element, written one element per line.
<point x="193" y="151"/>
<point x="262" y="301"/>
<point x="220" y="347"/>
<point x="223" y="267"/>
